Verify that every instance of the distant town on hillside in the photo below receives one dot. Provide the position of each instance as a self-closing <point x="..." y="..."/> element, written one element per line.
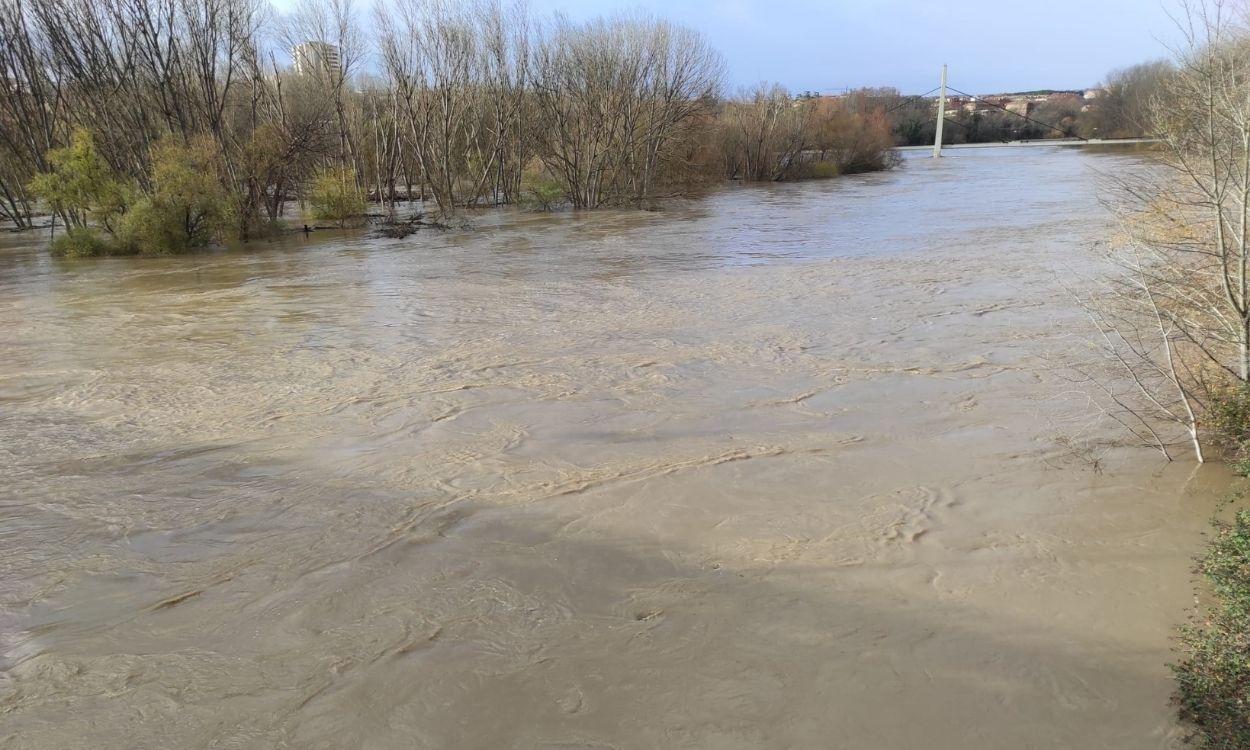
<point x="1113" y="109"/>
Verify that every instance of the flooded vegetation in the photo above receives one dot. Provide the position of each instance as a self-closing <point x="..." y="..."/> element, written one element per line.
<point x="780" y="465"/>
<point x="139" y="142"/>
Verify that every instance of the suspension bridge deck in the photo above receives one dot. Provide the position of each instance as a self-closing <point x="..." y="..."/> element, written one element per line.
<point x="1037" y="142"/>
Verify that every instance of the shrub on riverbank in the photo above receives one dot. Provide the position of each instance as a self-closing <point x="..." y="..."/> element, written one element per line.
<point x="183" y="207"/>
<point x="186" y="207"/>
<point x="540" y="191"/>
<point x="1213" y="676"/>
<point x="80" y="187"/>
<point x="822" y="170"/>
<point x="768" y="134"/>
<point x="335" y="197"/>
<point x="1228" y="419"/>
<point x="81" y="242"/>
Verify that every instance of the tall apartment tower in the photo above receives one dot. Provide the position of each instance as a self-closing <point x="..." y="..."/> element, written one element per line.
<point x="316" y="58"/>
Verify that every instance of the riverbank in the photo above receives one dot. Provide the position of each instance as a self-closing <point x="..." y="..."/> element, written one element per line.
<point x="767" y="468"/>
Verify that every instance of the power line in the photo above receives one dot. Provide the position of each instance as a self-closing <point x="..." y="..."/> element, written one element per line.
<point x="1017" y="114"/>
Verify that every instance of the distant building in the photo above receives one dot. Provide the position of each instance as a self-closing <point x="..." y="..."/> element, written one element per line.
<point x="1019" y="106"/>
<point x="1092" y="94"/>
<point x="986" y="104"/>
<point x="316" y="58"/>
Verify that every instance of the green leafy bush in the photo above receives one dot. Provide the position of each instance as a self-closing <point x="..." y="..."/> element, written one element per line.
<point x="540" y="191"/>
<point x="1213" y="677"/>
<point x="821" y="170"/>
<point x="335" y="197"/>
<point x="81" y="242"/>
<point x="187" y="208"/>
<point x="152" y="229"/>
<point x="81" y="185"/>
<point x="1227" y="417"/>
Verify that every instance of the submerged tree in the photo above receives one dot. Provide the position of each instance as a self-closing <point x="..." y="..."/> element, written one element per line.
<point x="765" y="133"/>
<point x="186" y="207"/>
<point x="79" y="185"/>
<point x="474" y="99"/>
<point x="614" y="100"/>
<point x="335" y="197"/>
<point x="1178" y="320"/>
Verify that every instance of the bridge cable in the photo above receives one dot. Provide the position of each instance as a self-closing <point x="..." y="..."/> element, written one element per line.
<point x="1017" y="114"/>
<point x="908" y="100"/>
<point x="969" y="127"/>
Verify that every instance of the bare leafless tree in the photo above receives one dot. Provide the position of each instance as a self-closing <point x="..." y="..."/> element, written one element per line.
<point x="332" y="25"/>
<point x="32" y="118"/>
<point x="613" y="97"/>
<point x="1177" y="321"/>
<point x="473" y="98"/>
<point x="430" y="54"/>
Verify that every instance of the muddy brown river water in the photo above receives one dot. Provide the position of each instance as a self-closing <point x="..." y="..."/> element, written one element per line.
<point x="777" y="468"/>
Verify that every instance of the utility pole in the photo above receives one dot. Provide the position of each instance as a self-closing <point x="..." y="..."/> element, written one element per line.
<point x="937" y="143"/>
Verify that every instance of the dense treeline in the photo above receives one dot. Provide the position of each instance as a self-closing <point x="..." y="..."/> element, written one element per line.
<point x="766" y="134"/>
<point x="157" y="125"/>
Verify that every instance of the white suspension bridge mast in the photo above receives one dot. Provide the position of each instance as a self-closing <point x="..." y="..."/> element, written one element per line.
<point x="941" y="118"/>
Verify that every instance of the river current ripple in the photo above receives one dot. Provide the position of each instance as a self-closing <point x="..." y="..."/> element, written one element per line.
<point x="775" y="468"/>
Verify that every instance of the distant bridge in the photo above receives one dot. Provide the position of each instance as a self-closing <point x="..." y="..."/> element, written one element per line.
<point x="938" y="146"/>
<point x="1037" y="142"/>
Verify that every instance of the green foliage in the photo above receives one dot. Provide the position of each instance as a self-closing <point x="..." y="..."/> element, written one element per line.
<point x="1228" y="416"/>
<point x="81" y="184"/>
<point x="81" y="242"/>
<point x="146" y="228"/>
<point x="1228" y="419"/>
<point x="540" y="191"/>
<point x="188" y="207"/>
<point x="334" y="196"/>
<point x="1213" y="677"/>
<point x="821" y="170"/>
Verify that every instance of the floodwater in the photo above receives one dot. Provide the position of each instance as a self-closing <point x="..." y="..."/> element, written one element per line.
<point x="787" y="467"/>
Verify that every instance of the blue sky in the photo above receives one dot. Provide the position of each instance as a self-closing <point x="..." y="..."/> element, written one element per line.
<point x="990" y="45"/>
